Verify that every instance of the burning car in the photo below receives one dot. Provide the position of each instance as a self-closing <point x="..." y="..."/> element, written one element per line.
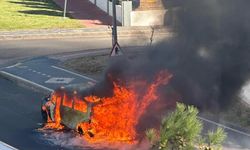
<point x="103" y="119"/>
<point x="61" y="110"/>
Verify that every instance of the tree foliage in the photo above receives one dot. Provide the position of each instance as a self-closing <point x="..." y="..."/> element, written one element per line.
<point x="181" y="130"/>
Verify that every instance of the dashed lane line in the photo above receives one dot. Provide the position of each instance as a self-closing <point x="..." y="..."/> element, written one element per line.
<point x="15" y="65"/>
<point x="40" y="73"/>
<point x="25" y="80"/>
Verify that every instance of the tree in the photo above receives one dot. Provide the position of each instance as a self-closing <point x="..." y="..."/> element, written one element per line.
<point x="213" y="140"/>
<point x="181" y="131"/>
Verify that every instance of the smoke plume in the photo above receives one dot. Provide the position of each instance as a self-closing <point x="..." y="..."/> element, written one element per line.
<point x="209" y="55"/>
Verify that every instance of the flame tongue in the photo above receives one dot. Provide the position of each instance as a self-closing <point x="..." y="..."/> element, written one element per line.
<point x="115" y="118"/>
<point x="57" y="116"/>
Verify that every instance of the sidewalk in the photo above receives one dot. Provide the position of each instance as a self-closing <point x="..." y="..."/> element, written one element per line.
<point x="100" y="32"/>
<point x="86" y="12"/>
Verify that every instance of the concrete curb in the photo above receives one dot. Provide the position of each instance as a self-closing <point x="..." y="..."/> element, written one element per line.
<point x="25" y="83"/>
<point x="102" y="32"/>
<point x="5" y="146"/>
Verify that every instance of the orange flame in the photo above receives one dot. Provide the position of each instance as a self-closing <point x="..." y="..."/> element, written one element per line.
<point x="56" y="124"/>
<point x="114" y="118"/>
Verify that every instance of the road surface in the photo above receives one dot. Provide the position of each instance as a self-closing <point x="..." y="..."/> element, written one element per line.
<point x="20" y="115"/>
<point x="19" y="49"/>
<point x="19" y="107"/>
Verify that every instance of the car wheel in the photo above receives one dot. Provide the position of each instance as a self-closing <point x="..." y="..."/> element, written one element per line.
<point x="80" y="131"/>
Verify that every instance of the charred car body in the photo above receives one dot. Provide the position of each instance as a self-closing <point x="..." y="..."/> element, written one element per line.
<point x="67" y="109"/>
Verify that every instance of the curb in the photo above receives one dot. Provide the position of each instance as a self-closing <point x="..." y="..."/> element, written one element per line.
<point x="102" y="32"/>
<point x="25" y="83"/>
<point x="5" y="146"/>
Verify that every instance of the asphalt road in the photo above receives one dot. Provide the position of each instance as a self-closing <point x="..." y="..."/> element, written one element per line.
<point x="20" y="115"/>
<point x="19" y="49"/>
<point x="237" y="138"/>
<point x="19" y="107"/>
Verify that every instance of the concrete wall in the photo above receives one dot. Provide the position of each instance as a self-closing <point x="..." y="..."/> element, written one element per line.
<point x="147" y="17"/>
<point x="102" y="4"/>
<point x="127" y="17"/>
<point x="92" y="1"/>
<point x="126" y="13"/>
<point x="110" y="9"/>
<point x="122" y="12"/>
<point x="119" y="13"/>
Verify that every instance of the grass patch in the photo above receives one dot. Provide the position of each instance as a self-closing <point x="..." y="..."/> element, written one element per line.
<point x="93" y="66"/>
<point x="33" y="14"/>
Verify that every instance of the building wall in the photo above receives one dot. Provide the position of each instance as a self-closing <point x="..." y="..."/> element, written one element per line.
<point x="125" y="15"/>
<point x="148" y="18"/>
<point x="92" y="1"/>
<point x="102" y="4"/>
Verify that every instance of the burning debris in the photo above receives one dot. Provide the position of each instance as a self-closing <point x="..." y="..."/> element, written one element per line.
<point x="107" y="119"/>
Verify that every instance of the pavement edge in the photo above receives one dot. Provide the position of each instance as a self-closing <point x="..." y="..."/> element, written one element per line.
<point x="25" y="83"/>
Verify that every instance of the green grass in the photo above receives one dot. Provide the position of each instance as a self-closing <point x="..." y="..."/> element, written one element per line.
<point x="33" y="14"/>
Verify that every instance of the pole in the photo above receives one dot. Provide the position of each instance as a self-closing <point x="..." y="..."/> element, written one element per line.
<point x="114" y="28"/>
<point x="65" y="8"/>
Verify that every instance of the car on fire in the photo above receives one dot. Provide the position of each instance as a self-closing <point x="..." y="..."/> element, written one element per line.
<point x="72" y="110"/>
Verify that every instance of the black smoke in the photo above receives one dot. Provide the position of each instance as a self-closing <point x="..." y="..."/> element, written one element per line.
<point x="209" y="54"/>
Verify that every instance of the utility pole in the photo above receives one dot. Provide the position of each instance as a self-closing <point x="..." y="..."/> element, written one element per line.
<point x="116" y="50"/>
<point x="114" y="28"/>
<point x="65" y="8"/>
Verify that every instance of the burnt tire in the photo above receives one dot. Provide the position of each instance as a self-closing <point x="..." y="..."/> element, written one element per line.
<point x="91" y="134"/>
<point x="80" y="131"/>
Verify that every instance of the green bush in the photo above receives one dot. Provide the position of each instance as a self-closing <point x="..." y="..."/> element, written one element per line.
<point x="181" y="130"/>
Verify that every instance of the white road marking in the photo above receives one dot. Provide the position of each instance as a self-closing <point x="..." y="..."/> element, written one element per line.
<point x="226" y="127"/>
<point x="91" y="83"/>
<point x="204" y="119"/>
<point x="22" y="67"/>
<point x="44" y="74"/>
<point x="48" y="76"/>
<point x="17" y="64"/>
<point x="34" y="71"/>
<point x="73" y="73"/>
<point x="4" y="146"/>
<point x="60" y="80"/>
<point x="25" y="80"/>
